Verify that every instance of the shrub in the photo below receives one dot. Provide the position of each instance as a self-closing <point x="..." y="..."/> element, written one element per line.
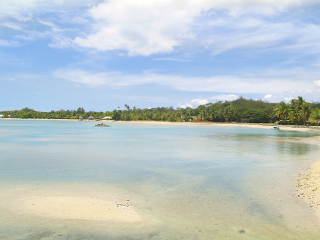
<point x="255" y="116"/>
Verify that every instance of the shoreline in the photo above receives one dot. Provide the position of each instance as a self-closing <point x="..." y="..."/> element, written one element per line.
<point x="300" y="128"/>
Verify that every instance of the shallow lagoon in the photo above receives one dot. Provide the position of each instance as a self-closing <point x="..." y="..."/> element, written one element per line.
<point x="187" y="182"/>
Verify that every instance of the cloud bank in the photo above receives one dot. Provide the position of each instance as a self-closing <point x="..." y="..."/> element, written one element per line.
<point x="153" y="27"/>
<point x="221" y="84"/>
<point x="161" y="27"/>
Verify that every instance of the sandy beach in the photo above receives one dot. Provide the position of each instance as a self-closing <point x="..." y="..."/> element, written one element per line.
<point x="231" y="124"/>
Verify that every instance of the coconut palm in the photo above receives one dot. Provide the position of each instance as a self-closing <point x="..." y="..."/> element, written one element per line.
<point x="305" y="111"/>
<point x="316" y="114"/>
<point x="281" y="110"/>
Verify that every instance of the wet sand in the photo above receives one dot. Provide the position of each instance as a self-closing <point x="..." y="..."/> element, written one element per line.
<point x="74" y="203"/>
<point x="78" y="207"/>
<point x="308" y="187"/>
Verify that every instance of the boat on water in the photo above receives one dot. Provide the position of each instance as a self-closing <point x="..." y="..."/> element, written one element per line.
<point x="102" y="125"/>
<point x="275" y="128"/>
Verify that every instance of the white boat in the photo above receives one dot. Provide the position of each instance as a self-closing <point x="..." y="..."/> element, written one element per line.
<point x="275" y="127"/>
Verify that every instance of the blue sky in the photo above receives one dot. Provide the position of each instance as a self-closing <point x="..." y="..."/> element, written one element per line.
<point x="65" y="54"/>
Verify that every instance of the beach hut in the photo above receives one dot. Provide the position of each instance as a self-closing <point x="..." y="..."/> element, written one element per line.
<point x="1" y="116"/>
<point x="91" y="118"/>
<point x="80" y="118"/>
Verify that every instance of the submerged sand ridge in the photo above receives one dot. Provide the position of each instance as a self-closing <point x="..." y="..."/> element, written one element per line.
<point x="75" y="207"/>
<point x="77" y="204"/>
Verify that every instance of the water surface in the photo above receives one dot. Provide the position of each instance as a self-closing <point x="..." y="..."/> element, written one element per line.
<point x="195" y="182"/>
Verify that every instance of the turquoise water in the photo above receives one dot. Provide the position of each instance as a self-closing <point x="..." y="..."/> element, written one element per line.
<point x="195" y="182"/>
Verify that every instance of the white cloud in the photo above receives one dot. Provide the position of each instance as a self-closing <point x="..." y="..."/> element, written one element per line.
<point x="317" y="83"/>
<point x="140" y="27"/>
<point x="224" y="97"/>
<point x="199" y="101"/>
<point x="23" y="10"/>
<point x="6" y="43"/>
<point x="262" y="83"/>
<point x="151" y="27"/>
<point x="268" y="96"/>
<point x="272" y="98"/>
<point x="83" y="77"/>
<point x="18" y="9"/>
<point x="194" y="103"/>
<point x="185" y="105"/>
<point x="11" y="25"/>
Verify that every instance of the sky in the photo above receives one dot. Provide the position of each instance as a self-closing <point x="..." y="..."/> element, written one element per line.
<point x="101" y="54"/>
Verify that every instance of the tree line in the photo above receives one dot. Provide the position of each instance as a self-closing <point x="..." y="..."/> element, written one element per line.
<point x="297" y="111"/>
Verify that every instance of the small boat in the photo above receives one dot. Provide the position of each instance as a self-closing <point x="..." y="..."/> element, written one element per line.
<point x="275" y="128"/>
<point x="102" y="125"/>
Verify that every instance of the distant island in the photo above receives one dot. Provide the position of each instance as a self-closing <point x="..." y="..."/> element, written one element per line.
<point x="296" y="112"/>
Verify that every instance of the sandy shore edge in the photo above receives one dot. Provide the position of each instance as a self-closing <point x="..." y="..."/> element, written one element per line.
<point x="308" y="187"/>
<point x="222" y="124"/>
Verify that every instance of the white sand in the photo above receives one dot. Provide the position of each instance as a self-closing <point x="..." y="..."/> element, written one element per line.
<point x="309" y="187"/>
<point x="78" y="207"/>
<point x="308" y="183"/>
<point x="217" y="124"/>
<point x="74" y="202"/>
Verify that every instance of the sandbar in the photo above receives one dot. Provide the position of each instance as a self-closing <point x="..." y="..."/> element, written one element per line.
<point x="74" y="207"/>
<point x="73" y="204"/>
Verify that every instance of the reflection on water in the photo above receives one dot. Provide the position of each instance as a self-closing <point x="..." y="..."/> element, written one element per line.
<point x="191" y="182"/>
<point x="293" y="149"/>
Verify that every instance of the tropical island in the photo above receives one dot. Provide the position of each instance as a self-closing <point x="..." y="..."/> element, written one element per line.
<point x="296" y="112"/>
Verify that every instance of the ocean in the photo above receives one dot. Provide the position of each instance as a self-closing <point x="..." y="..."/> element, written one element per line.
<point x="184" y="181"/>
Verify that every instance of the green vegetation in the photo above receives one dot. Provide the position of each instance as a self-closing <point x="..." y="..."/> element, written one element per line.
<point x="255" y="116"/>
<point x="61" y="114"/>
<point x="298" y="112"/>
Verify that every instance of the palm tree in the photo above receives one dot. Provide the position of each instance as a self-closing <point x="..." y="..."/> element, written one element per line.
<point x="293" y="114"/>
<point x="281" y="111"/>
<point x="305" y="111"/>
<point x="316" y="114"/>
<point x="299" y="111"/>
